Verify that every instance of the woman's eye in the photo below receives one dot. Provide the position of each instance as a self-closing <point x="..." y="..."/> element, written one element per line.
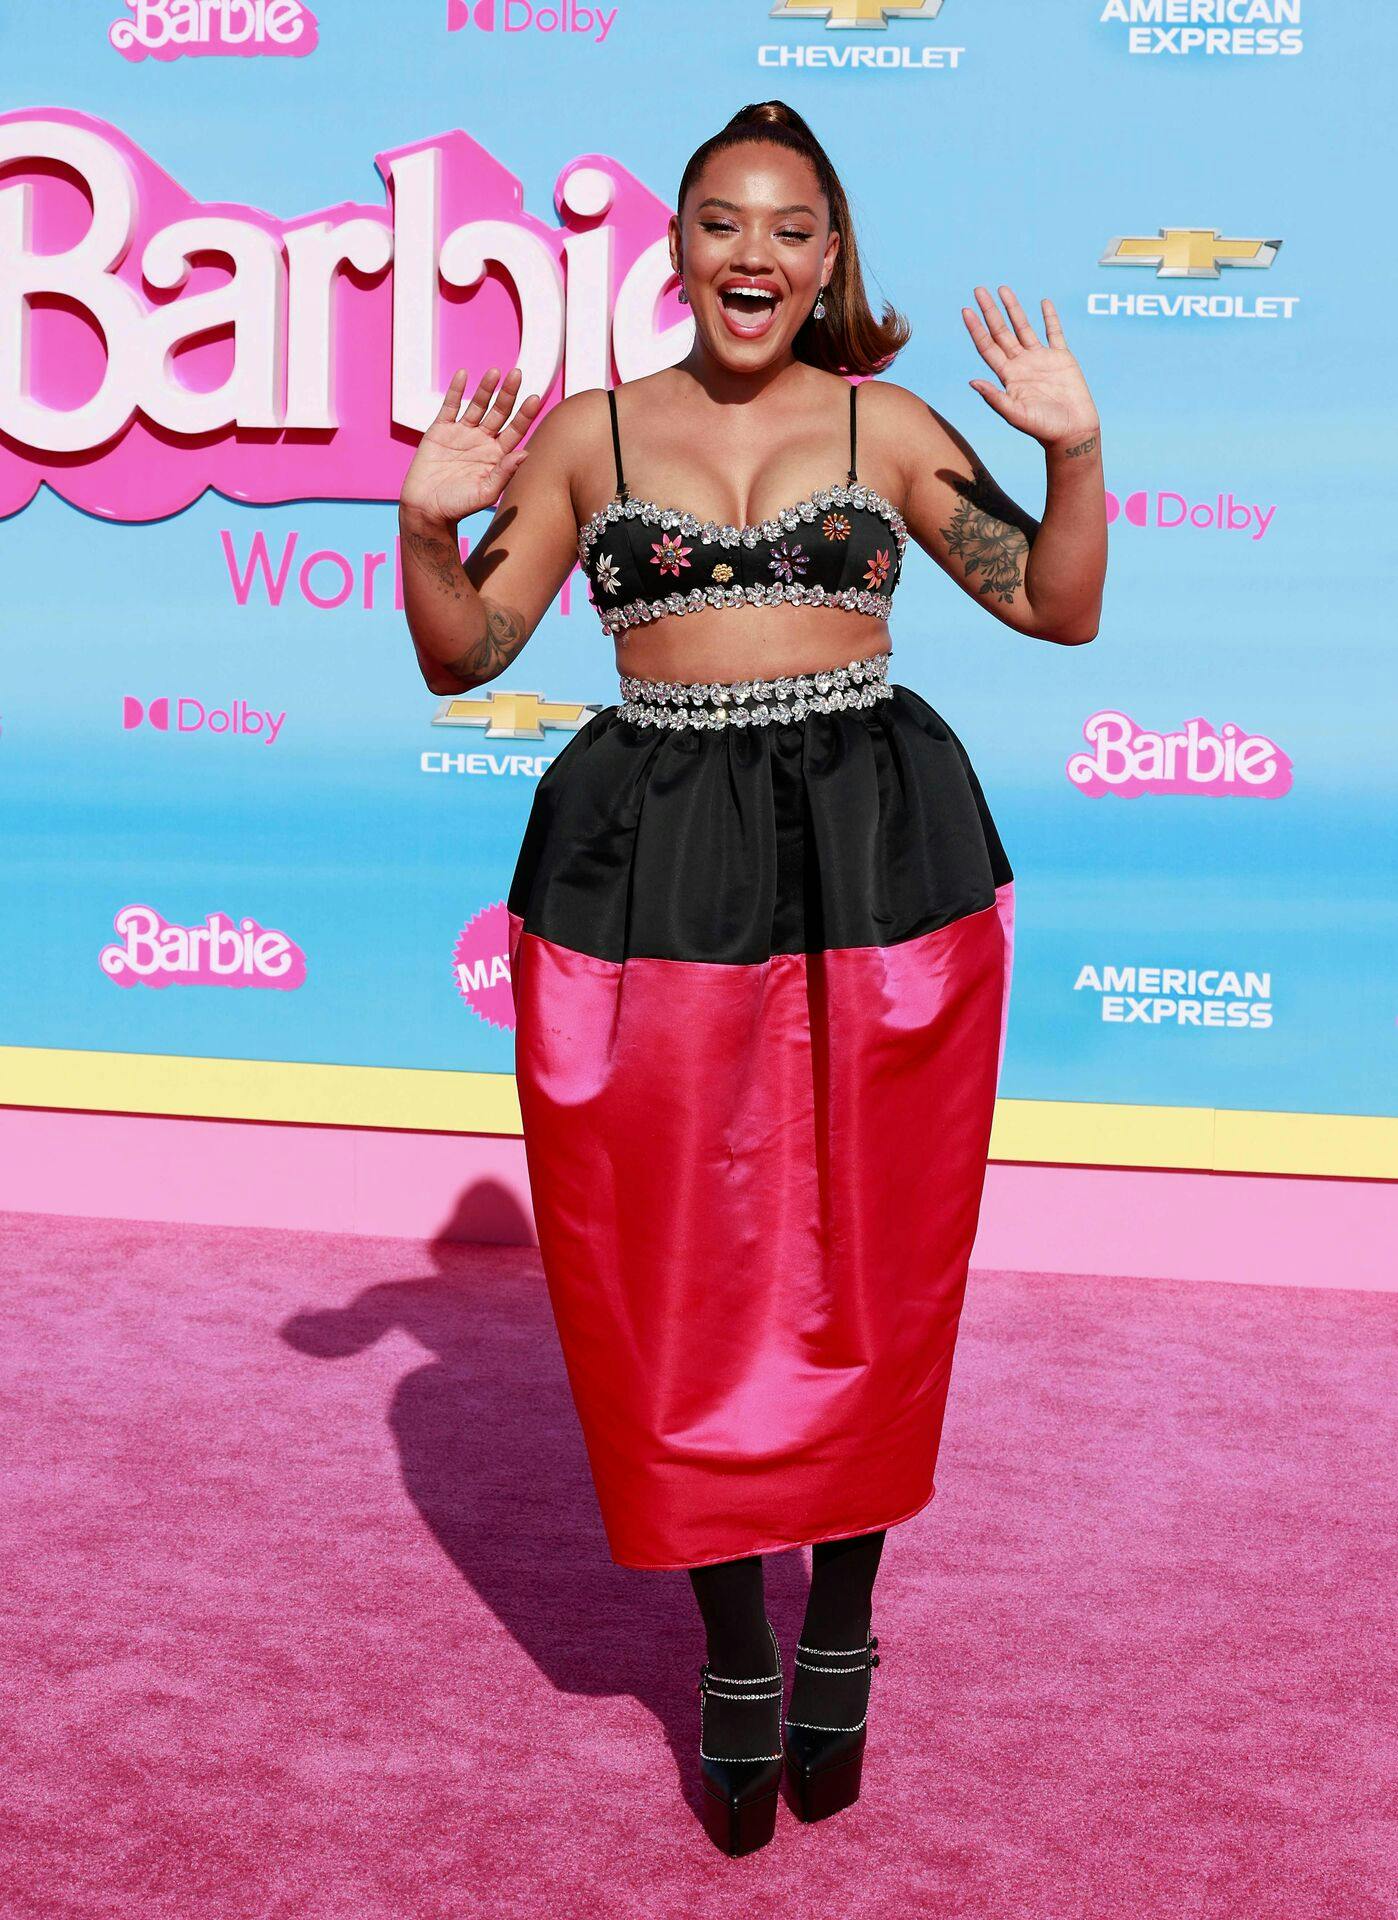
<point x="725" y="226"/>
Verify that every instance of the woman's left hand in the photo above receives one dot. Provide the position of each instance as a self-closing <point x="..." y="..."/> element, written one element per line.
<point x="1045" y="394"/>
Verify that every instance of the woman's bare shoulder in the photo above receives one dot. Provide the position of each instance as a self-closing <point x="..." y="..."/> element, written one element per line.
<point x="887" y="402"/>
<point x="580" y="423"/>
<point x="908" y="427"/>
<point x="572" y="419"/>
<point x="571" y="443"/>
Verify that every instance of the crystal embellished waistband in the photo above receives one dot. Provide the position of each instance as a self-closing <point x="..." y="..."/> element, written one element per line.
<point x="754" y="703"/>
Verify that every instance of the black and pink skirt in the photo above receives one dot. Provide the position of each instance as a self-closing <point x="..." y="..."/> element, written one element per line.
<point x="761" y="972"/>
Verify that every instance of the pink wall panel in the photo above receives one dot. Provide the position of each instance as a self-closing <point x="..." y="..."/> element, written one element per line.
<point x="1262" y="1230"/>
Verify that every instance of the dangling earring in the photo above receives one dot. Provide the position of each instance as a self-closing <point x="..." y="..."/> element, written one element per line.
<point x="820" y="306"/>
<point x="683" y="296"/>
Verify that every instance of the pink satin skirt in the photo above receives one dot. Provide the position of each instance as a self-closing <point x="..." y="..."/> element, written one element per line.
<point x="761" y="981"/>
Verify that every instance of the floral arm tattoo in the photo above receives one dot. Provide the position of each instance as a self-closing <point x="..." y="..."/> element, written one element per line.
<point x="990" y="536"/>
<point x="503" y="637"/>
<point x="504" y="632"/>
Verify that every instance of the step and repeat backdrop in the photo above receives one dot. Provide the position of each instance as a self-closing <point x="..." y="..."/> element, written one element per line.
<point x="243" y="243"/>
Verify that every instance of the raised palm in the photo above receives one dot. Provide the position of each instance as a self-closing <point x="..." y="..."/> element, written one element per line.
<point x="1044" y="392"/>
<point x="464" y="465"/>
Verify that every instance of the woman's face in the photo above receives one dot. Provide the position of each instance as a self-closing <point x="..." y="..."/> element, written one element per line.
<point x="755" y="216"/>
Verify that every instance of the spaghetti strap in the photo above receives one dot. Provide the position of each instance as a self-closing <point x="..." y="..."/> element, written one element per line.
<point x="621" y="493"/>
<point x="853" y="390"/>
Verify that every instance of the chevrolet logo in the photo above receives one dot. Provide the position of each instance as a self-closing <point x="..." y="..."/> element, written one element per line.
<point x="511" y="715"/>
<point x="856" y="13"/>
<point x="1187" y="253"/>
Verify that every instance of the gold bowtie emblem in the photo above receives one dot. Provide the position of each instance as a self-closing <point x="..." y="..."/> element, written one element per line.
<point x="857" y="13"/>
<point x="1187" y="253"/>
<point x="511" y="715"/>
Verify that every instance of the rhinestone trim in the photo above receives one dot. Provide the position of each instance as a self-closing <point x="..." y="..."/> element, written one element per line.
<point x="775" y="1693"/>
<point x="709" y="532"/>
<point x="865" y="1660"/>
<point x="754" y="703"/>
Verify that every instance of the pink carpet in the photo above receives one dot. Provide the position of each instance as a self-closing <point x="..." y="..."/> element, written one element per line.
<point x="309" y="1612"/>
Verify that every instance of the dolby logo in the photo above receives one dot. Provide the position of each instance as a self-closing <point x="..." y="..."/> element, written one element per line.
<point x="523" y="16"/>
<point x="185" y="715"/>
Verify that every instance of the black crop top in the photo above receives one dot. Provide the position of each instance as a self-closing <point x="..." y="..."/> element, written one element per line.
<point x="841" y="547"/>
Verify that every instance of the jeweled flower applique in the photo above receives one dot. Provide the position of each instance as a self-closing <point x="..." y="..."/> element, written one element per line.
<point x="835" y="527"/>
<point x="669" y="553"/>
<point x="877" y="570"/>
<point x="608" y="573"/>
<point x="788" y="560"/>
<point x="722" y="571"/>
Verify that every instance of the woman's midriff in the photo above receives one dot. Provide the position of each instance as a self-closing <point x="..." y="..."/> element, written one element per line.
<point x="749" y="643"/>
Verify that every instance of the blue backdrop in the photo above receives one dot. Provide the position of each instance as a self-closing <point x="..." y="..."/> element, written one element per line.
<point x="981" y="141"/>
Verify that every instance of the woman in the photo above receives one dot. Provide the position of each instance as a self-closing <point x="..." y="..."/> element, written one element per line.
<point x="761" y="917"/>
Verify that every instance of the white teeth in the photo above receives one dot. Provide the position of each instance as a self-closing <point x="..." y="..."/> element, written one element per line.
<point x="750" y="293"/>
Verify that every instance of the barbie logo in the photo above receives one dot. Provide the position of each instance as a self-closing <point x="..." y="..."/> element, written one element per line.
<point x="1129" y="760"/>
<point x="172" y="347"/>
<point x="1224" y="513"/>
<point x="168" y="29"/>
<point x="154" y="952"/>
<point x="519" y="16"/>
<point x="481" y="962"/>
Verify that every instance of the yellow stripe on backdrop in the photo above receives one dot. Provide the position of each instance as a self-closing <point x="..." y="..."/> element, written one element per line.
<point x="425" y="1100"/>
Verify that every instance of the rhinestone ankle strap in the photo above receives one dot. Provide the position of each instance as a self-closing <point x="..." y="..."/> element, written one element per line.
<point x="754" y="703"/>
<point x="715" y="1686"/>
<point x="836" y="1660"/>
<point x="839" y="1659"/>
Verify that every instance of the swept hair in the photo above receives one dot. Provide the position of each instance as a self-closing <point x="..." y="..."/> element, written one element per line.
<point x="849" y="339"/>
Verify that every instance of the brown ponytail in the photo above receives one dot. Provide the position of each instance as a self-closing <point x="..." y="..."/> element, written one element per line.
<point x="849" y="339"/>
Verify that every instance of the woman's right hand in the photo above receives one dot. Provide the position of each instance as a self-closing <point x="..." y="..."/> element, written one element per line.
<point x="462" y="466"/>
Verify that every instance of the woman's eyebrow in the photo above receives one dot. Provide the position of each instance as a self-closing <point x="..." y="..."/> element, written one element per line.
<point x="797" y="206"/>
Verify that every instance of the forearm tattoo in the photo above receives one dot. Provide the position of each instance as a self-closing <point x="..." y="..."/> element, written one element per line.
<point x="503" y="637"/>
<point x="504" y="633"/>
<point x="1083" y="447"/>
<point x="990" y="536"/>
<point x="441" y="558"/>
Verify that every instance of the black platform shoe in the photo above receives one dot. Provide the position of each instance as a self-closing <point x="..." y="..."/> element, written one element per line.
<point x="825" y="1743"/>
<point x="739" y="1796"/>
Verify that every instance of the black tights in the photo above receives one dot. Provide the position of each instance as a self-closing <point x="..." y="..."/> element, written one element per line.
<point x="838" y="1608"/>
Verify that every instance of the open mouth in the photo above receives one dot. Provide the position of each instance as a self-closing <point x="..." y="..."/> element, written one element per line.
<point x="749" y="311"/>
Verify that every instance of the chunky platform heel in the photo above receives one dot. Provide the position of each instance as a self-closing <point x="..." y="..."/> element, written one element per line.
<point x="739" y="1794"/>
<point x="825" y="1755"/>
